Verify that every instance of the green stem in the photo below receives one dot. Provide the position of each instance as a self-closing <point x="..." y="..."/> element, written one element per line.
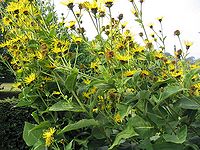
<point x="79" y="102"/>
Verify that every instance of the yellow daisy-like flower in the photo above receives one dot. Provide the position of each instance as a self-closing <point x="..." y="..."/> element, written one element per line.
<point x="94" y="65"/>
<point x="160" y="18"/>
<point x="68" y="3"/>
<point x="87" y="81"/>
<point x="177" y="74"/>
<point x="159" y="55"/>
<point x="123" y="58"/>
<point x="145" y="73"/>
<point x="109" y="3"/>
<point x="129" y="73"/>
<point x="118" y="118"/>
<point x="48" y="136"/>
<point x="6" y="21"/>
<point x="30" y="78"/>
<point x="71" y="24"/>
<point x="188" y="44"/>
<point x="86" y="94"/>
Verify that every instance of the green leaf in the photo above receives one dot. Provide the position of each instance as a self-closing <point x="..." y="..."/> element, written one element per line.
<point x="179" y="138"/>
<point x="188" y="77"/>
<point x="40" y="145"/>
<point x="35" y="116"/>
<point x="169" y="91"/>
<point x="42" y="125"/>
<point x="124" y="110"/>
<point x="189" y="103"/>
<point x="31" y="137"/>
<point x="69" y="146"/>
<point x="168" y="146"/>
<point x="125" y="134"/>
<point x="138" y="20"/>
<point x="80" y="124"/>
<point x="142" y="127"/>
<point x="71" y="80"/>
<point x="65" y="106"/>
<point x="33" y="44"/>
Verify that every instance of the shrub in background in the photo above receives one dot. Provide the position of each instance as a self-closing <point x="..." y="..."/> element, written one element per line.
<point x="11" y="125"/>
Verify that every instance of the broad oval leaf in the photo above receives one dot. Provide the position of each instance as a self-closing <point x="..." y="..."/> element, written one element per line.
<point x="65" y="106"/>
<point x="31" y="137"/>
<point x="80" y="124"/>
<point x="179" y="138"/>
<point x="125" y="134"/>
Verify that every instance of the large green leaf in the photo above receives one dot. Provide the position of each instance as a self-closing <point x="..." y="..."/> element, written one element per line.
<point x="71" y="80"/>
<point x="169" y="91"/>
<point x="31" y="137"/>
<point x="189" y="103"/>
<point x="42" y="125"/>
<point x="125" y="134"/>
<point x="142" y="127"/>
<point x="80" y="124"/>
<point x="65" y="106"/>
<point x="179" y="138"/>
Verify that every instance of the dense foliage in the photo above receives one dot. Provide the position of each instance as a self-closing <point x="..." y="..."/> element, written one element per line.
<point x="109" y="92"/>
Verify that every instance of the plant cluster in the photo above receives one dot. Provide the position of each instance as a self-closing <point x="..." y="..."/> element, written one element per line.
<point x="106" y="93"/>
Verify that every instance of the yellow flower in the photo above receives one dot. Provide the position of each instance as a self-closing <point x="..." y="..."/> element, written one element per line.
<point x="194" y="66"/>
<point x="145" y="73"/>
<point x="93" y="90"/>
<point x="56" y="93"/>
<point x="160" y="19"/>
<point x="30" y="78"/>
<point x="139" y="49"/>
<point x="86" y="94"/>
<point x="86" y="5"/>
<point x="123" y="58"/>
<point x="118" y="118"/>
<point x="48" y="136"/>
<point x="177" y="74"/>
<point x="108" y="3"/>
<point x="68" y="3"/>
<point x="151" y="25"/>
<point x="6" y="21"/>
<point x="94" y="65"/>
<point x="188" y="44"/>
<point x="159" y="55"/>
<point x="14" y="7"/>
<point x="71" y="24"/>
<point x="129" y="73"/>
<point x="95" y="110"/>
<point x="56" y="50"/>
<point x="86" y="81"/>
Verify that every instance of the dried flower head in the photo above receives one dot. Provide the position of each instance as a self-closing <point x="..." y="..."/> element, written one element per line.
<point x="177" y="33"/>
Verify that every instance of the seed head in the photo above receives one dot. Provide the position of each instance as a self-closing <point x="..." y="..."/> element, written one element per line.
<point x="177" y="33"/>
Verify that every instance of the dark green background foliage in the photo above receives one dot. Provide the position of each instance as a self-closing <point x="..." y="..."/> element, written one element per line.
<point x="11" y="126"/>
